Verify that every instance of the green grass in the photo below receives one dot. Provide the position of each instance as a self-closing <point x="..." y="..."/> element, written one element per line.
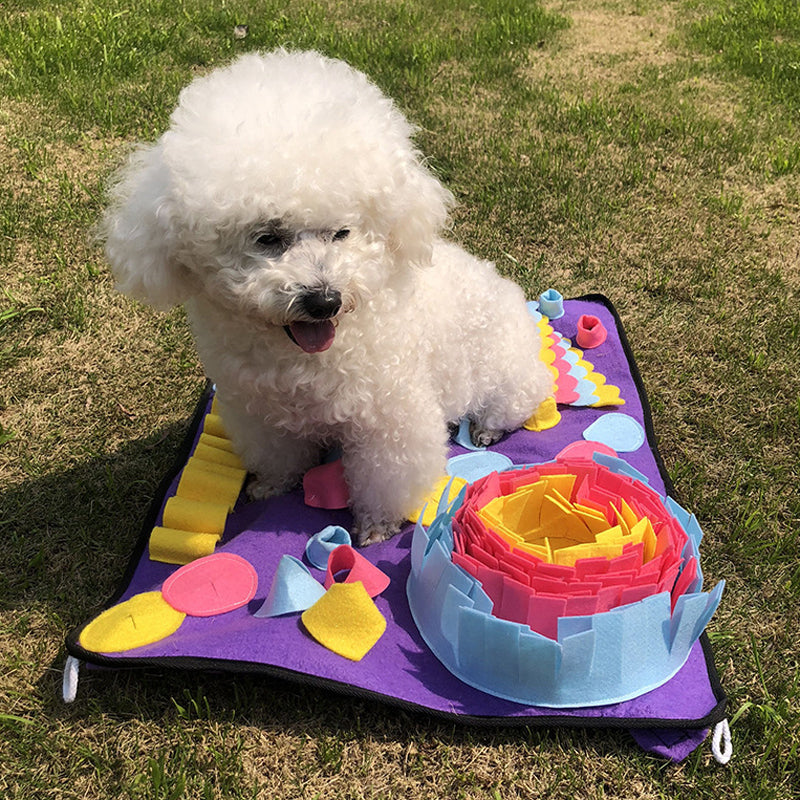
<point x="759" y="39"/>
<point x="108" y="66"/>
<point x="660" y="165"/>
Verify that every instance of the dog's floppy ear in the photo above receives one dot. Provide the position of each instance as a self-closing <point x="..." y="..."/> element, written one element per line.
<point x="138" y="232"/>
<point x="424" y="206"/>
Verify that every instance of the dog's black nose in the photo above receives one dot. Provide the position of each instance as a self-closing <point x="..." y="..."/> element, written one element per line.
<point x="321" y="303"/>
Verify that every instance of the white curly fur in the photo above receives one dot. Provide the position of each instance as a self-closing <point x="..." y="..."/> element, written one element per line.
<point x="287" y="176"/>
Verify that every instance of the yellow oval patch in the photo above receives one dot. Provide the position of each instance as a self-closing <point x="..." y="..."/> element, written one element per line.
<point x="143" y="619"/>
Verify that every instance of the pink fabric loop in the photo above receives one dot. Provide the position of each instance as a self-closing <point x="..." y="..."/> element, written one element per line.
<point x="346" y="559"/>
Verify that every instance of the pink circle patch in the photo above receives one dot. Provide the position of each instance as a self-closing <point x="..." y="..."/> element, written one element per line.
<point x="584" y="449"/>
<point x="211" y="585"/>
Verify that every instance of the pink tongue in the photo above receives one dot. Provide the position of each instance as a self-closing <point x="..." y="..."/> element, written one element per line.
<point x="313" y="337"/>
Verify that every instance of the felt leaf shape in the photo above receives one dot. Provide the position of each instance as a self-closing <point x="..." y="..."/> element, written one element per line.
<point x="533" y="309"/>
<point x="620" y="467"/>
<point x="211" y="585"/>
<point x="518" y="512"/>
<point x="428" y="510"/>
<point x="546" y="416"/>
<point x="325" y="487"/>
<point x="593" y="388"/>
<point x="345" y="559"/>
<point x="322" y="544"/>
<point x="345" y="620"/>
<point x="472" y="466"/>
<point x="293" y="589"/>
<point x="566" y="385"/>
<point x="620" y="432"/>
<point x="607" y="395"/>
<point x="143" y="619"/>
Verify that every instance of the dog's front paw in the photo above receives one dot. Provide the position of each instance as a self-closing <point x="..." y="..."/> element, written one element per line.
<point x="372" y="532"/>
<point x="257" y="490"/>
<point x="261" y="488"/>
<point x="482" y="437"/>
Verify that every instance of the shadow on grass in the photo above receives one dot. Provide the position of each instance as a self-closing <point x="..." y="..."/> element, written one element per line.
<point x="331" y="719"/>
<point x="67" y="535"/>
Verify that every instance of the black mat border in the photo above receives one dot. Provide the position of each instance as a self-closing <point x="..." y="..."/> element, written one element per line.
<point x="229" y="666"/>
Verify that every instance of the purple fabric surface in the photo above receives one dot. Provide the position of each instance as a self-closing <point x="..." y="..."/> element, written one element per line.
<point x="672" y="743"/>
<point x="400" y="667"/>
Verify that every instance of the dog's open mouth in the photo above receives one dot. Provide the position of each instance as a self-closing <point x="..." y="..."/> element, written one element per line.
<point x="312" y="337"/>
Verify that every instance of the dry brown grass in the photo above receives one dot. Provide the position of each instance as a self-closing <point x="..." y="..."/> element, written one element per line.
<point x="608" y="43"/>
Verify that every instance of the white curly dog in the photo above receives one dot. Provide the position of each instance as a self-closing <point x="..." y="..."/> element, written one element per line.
<point x="288" y="210"/>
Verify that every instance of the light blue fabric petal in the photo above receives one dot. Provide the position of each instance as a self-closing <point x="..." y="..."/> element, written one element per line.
<point x="462" y="436"/>
<point x="322" y="544"/>
<point x="619" y="431"/>
<point x="293" y="589"/>
<point x="473" y="466"/>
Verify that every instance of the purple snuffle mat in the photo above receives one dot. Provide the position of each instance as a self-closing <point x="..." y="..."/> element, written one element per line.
<point x="400" y="668"/>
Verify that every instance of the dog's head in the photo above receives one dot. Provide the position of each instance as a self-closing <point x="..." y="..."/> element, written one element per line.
<point x="286" y="188"/>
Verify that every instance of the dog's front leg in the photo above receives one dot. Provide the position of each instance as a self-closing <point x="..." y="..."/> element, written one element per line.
<point x="390" y="471"/>
<point x="276" y="459"/>
<point x="279" y="463"/>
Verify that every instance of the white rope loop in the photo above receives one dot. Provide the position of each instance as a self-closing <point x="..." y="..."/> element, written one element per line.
<point x="721" y="746"/>
<point x="69" y="684"/>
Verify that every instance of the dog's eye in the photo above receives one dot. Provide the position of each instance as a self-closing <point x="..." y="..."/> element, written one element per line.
<point x="342" y="234"/>
<point x="271" y="241"/>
